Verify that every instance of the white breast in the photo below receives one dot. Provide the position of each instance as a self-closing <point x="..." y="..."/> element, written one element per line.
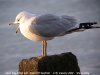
<point x="28" y="34"/>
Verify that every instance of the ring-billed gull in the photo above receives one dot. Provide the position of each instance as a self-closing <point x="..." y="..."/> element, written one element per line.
<point x="45" y="27"/>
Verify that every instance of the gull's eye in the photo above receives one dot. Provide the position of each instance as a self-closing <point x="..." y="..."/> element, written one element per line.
<point x="18" y="20"/>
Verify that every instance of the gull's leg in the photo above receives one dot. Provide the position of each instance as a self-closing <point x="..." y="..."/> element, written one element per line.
<point x="45" y="48"/>
<point x="42" y="48"/>
<point x="42" y="42"/>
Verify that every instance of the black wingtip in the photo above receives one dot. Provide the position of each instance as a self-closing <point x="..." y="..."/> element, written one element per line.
<point x="87" y="25"/>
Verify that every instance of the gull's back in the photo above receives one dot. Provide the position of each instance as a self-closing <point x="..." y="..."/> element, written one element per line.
<point x="49" y="25"/>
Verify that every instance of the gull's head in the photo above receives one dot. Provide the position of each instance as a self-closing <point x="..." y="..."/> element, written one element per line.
<point x="19" y="19"/>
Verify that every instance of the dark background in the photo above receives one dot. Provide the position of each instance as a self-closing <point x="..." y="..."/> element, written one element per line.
<point x="85" y="45"/>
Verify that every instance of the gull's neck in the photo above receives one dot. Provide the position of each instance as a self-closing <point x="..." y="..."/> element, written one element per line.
<point x="26" y="22"/>
<point x="26" y="17"/>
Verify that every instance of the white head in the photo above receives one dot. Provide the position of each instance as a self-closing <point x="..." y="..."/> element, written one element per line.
<point x="20" y="18"/>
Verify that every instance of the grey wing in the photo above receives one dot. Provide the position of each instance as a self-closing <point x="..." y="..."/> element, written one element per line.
<point x="50" y="25"/>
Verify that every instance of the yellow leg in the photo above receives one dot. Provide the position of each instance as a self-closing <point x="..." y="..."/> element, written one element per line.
<point x="44" y="47"/>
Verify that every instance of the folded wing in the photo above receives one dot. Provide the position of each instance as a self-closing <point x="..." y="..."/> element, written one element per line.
<point x="51" y="25"/>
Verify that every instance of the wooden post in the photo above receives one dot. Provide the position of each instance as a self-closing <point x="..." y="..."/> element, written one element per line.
<point x="62" y="64"/>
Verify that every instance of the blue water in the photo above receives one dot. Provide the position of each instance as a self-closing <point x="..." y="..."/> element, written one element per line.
<point x="85" y="45"/>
